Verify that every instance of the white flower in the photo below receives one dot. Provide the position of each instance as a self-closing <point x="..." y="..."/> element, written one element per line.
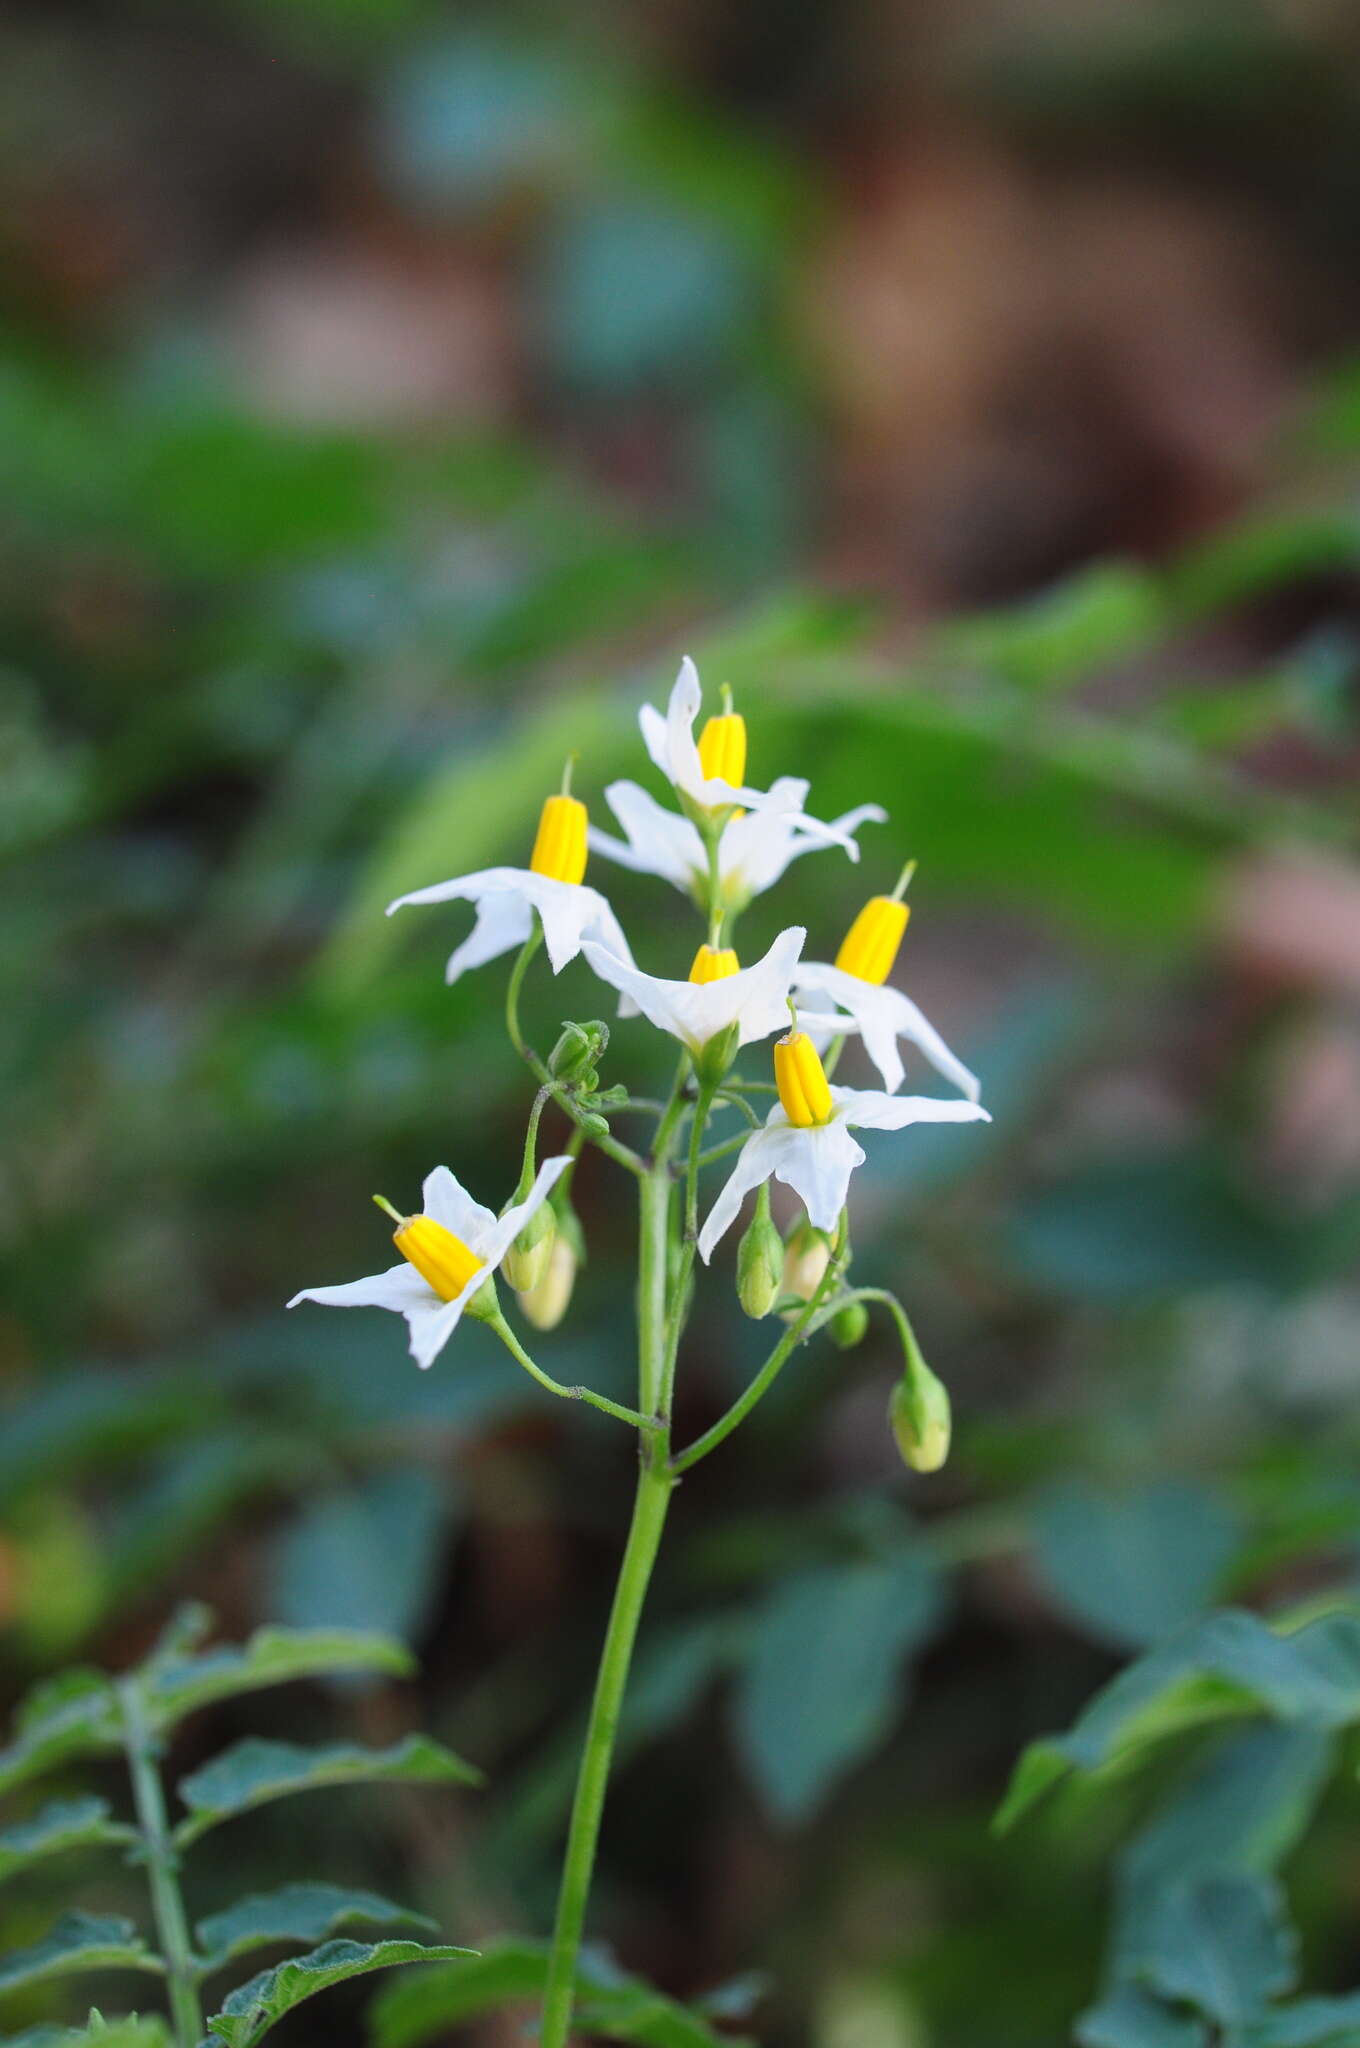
<point x="479" y="1237"/>
<point x="754" y="850"/>
<point x="506" y="899"/>
<point x="755" y="999"/>
<point x="881" y="1015"/>
<point x="817" y="1160"/>
<point x="671" y="743"/>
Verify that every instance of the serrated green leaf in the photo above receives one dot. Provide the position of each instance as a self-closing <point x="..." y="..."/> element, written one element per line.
<point x="825" y="1674"/>
<point x="79" y="1941"/>
<point x="1131" y="2017"/>
<point x="64" y="1824"/>
<point x="609" y="2004"/>
<point x="74" y="1714"/>
<point x="1308" y="2023"/>
<point x="122" y="2033"/>
<point x="252" y="1772"/>
<point x="1132" y="1567"/>
<point x="1228" y="1665"/>
<point x="307" y="1913"/>
<point x="253" y="2008"/>
<point x="180" y="1685"/>
<point x="1222" y="1944"/>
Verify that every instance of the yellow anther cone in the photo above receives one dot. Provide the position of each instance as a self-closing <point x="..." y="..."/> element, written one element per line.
<point x="439" y="1257"/>
<point x="801" y="1080"/>
<point x="560" y="847"/>
<point x="713" y="963"/>
<point x="869" y="948"/>
<point x="722" y="748"/>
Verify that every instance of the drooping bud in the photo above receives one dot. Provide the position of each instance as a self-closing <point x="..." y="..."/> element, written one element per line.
<point x="848" y="1325"/>
<point x="560" y="847"/>
<point x="527" y="1259"/>
<point x="760" y="1261"/>
<point x="580" y="1049"/>
<point x="806" y="1258"/>
<point x="801" y="1080"/>
<point x="918" y="1413"/>
<point x="546" y="1303"/>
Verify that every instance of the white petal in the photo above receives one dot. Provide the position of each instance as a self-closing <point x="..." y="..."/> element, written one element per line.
<point x="884" y="1015"/>
<point x="817" y="1163"/>
<point x="660" y="842"/>
<point x="504" y="922"/>
<point x="503" y="1230"/>
<point x="400" y="1288"/>
<point x="757" y="848"/>
<point x="446" y="1199"/>
<point x="755" y="1162"/>
<point x="470" y="888"/>
<point x="653" y="727"/>
<point x="870" y="1109"/>
<point x="754" y="999"/>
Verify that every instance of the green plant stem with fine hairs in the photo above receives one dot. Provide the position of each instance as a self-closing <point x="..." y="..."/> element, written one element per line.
<point x="162" y="1868"/>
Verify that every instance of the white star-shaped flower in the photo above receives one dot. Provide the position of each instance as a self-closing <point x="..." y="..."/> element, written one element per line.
<point x="817" y="1160"/>
<point x="506" y="900"/>
<point x="755" y="849"/>
<point x="671" y="743"/>
<point x="880" y="1016"/>
<point x="754" y="999"/>
<point x="463" y="1246"/>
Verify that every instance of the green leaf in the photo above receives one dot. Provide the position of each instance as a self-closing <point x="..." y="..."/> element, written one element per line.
<point x="181" y="1684"/>
<point x="1107" y="613"/>
<point x="1133" y="1568"/>
<point x="1222" y="1944"/>
<point x="1130" y="2017"/>
<point x="74" y="1714"/>
<point x="619" y="2008"/>
<point x="101" y="2033"/>
<point x="253" y="1771"/>
<point x="1309" y="2023"/>
<point x="825" y="1675"/>
<point x="253" y="2008"/>
<point x="64" y="1824"/>
<point x="305" y="1913"/>
<point x="79" y="1941"/>
<point x="1230" y="1664"/>
<point x="1243" y="1807"/>
<point x="366" y="1558"/>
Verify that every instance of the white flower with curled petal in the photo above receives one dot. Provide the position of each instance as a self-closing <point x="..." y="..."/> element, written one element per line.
<point x="449" y="1252"/>
<point x="550" y="888"/>
<point x="708" y="770"/>
<point x="718" y="996"/>
<point x="806" y="1143"/>
<point x="879" y="1014"/>
<point x="755" y="848"/>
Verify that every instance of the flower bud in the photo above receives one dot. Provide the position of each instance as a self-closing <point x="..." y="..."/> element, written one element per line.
<point x="547" y="1301"/>
<point x="806" y="1258"/>
<point x="918" y="1413"/>
<point x="760" y="1261"/>
<point x="580" y="1047"/>
<point x="526" y="1261"/>
<point x="595" y="1126"/>
<point x="848" y="1325"/>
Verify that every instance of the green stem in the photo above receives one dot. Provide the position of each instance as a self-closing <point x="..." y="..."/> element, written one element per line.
<point x="623" y="1155"/>
<point x="772" y="1367"/>
<point x="654" y="1488"/>
<point x="600" y="1401"/>
<point x="162" y="1865"/>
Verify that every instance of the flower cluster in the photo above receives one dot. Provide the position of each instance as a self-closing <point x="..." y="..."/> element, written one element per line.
<point x="725" y="842"/>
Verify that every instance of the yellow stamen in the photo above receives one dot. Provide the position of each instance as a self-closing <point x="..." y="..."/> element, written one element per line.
<point x="440" y="1258"/>
<point x="802" y="1083"/>
<point x="722" y="748"/>
<point x="560" y="848"/>
<point x="713" y="963"/>
<point x="869" y="948"/>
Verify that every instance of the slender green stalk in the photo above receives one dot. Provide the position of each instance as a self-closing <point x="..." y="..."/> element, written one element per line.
<point x="655" y="1483"/>
<point x="622" y="1155"/>
<point x="517" y="1351"/>
<point x="162" y="1865"/>
<point x="771" y="1369"/>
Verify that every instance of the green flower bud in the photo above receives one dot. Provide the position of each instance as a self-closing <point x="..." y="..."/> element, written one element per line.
<point x="848" y="1325"/>
<point x="918" y="1413"/>
<point x="595" y="1126"/>
<point x="581" y="1047"/>
<point x="760" y="1261"/>
<point x="526" y="1261"/>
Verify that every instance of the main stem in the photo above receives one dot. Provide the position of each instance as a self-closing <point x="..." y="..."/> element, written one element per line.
<point x="654" y="1486"/>
<point x="162" y="1866"/>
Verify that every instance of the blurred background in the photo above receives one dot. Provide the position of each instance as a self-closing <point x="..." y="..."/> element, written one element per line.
<point x="389" y="392"/>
